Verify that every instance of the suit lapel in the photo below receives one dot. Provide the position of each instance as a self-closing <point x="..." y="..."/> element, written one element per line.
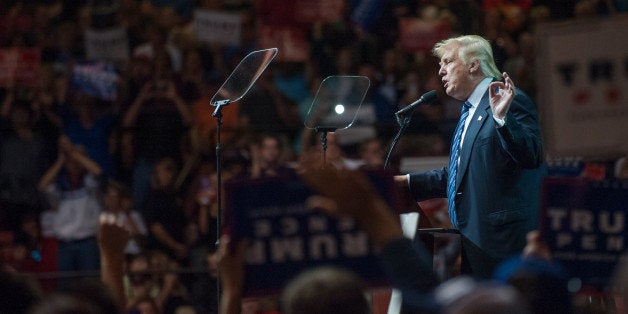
<point x="482" y="113"/>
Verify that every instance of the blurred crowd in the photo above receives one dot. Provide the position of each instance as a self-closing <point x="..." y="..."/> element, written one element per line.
<point x="148" y="155"/>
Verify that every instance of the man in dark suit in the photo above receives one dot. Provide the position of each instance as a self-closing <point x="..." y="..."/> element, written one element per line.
<point x="495" y="169"/>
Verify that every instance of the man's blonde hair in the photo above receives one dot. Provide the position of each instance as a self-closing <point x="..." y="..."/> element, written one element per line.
<point x="472" y="47"/>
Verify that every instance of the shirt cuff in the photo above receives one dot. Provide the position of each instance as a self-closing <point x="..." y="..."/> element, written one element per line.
<point x="500" y="122"/>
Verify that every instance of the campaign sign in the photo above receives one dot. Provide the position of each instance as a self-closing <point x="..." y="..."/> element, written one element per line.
<point x="286" y="236"/>
<point x="214" y="27"/>
<point x="98" y="79"/>
<point x="420" y="35"/>
<point x="312" y="11"/>
<point x="584" y="224"/>
<point x="110" y="44"/>
<point x="582" y="81"/>
<point x="291" y="42"/>
<point x="20" y="66"/>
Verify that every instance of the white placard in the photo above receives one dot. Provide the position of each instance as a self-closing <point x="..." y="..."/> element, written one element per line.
<point x="582" y="79"/>
<point x="215" y="27"/>
<point x="107" y="45"/>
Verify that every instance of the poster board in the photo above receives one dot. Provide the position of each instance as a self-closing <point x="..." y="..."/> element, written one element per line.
<point x="286" y="237"/>
<point x="215" y="27"/>
<point x="107" y="45"/>
<point x="584" y="225"/>
<point x="582" y="81"/>
<point x="98" y="79"/>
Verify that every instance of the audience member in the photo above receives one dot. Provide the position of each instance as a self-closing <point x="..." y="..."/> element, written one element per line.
<point x="483" y="298"/>
<point x="163" y="212"/>
<point x="117" y="200"/>
<point x="139" y="283"/>
<point x="155" y="34"/>
<point x="204" y="288"/>
<point x="24" y="293"/>
<point x="49" y="95"/>
<point x="71" y="185"/>
<point x="86" y="296"/>
<point x="34" y="253"/>
<point x="23" y="160"/>
<point x="541" y="281"/>
<point x="386" y="86"/>
<point x="172" y="293"/>
<point x="159" y="118"/>
<point x="372" y="153"/>
<point x="620" y="285"/>
<point x="266" y="110"/>
<point x="329" y="147"/>
<point x="325" y="290"/>
<point x="375" y="100"/>
<point x="193" y="75"/>
<point x="268" y="157"/>
<point x="85" y="125"/>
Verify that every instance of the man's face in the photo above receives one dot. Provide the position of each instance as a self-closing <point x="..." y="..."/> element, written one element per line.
<point x="270" y="149"/>
<point x="455" y="75"/>
<point x="111" y="199"/>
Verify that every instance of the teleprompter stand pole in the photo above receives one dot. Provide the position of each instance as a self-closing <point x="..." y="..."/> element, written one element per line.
<point x="324" y="130"/>
<point x="218" y="115"/>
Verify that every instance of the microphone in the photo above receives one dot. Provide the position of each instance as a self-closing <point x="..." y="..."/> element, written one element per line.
<point x="426" y="98"/>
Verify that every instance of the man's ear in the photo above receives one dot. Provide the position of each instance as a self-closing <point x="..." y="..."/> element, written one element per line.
<point x="474" y="66"/>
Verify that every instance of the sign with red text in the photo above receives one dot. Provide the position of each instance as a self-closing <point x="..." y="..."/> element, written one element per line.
<point x="582" y="79"/>
<point x="20" y="66"/>
<point x="584" y="225"/>
<point x="286" y="236"/>
<point x="311" y="11"/>
<point x="420" y="35"/>
<point x="291" y="42"/>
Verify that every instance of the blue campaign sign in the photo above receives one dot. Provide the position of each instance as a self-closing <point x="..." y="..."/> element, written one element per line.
<point x="286" y="236"/>
<point x="584" y="224"/>
<point x="98" y="79"/>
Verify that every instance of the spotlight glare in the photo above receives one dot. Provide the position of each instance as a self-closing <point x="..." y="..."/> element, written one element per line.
<point x="340" y="109"/>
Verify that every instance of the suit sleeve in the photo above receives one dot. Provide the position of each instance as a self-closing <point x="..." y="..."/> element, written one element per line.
<point x="429" y="184"/>
<point x="520" y="137"/>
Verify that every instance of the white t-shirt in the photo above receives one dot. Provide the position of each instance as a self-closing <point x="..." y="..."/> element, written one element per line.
<point x="77" y="211"/>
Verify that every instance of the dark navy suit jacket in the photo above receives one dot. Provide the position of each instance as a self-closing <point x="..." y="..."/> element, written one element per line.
<point x="498" y="181"/>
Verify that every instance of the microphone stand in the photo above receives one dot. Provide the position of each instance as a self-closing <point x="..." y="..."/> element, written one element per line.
<point x="403" y="122"/>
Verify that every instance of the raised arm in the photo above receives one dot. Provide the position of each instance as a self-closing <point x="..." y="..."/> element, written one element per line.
<point x="63" y="144"/>
<point x="51" y="174"/>
<point x="182" y="107"/>
<point x="131" y="114"/>
<point x="89" y="164"/>
<point x="112" y="238"/>
<point x="231" y="272"/>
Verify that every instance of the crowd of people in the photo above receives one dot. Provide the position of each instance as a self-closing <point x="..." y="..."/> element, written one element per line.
<point x="148" y="157"/>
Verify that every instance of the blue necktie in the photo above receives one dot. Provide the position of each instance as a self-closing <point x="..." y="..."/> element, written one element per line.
<point x="453" y="163"/>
